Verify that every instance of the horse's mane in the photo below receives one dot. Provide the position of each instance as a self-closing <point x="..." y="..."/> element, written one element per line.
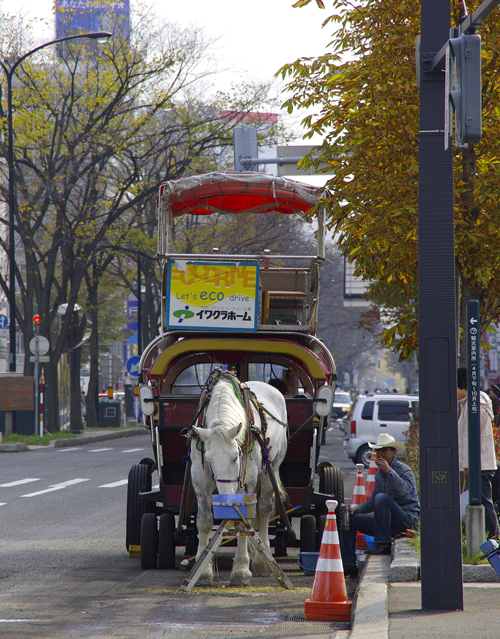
<point x="225" y="408"/>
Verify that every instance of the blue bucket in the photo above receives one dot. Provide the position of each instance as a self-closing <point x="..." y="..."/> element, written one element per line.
<point x="370" y="541"/>
<point x="307" y="561"/>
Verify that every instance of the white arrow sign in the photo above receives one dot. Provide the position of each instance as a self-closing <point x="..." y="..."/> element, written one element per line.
<point x="473" y="320"/>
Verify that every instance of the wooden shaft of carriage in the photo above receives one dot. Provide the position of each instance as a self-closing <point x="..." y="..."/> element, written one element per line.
<point x="279" y="502"/>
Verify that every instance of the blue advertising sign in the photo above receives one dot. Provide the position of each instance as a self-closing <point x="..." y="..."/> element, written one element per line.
<point x="133" y="365"/>
<point x="74" y="16"/>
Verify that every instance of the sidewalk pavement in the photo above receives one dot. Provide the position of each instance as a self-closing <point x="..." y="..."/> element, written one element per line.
<point x="387" y="604"/>
<point x="86" y="437"/>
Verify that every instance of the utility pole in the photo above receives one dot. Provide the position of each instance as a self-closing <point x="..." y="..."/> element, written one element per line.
<point x="441" y="544"/>
<point x="441" y="540"/>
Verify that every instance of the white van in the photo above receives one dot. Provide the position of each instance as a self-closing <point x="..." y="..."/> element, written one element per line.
<point x="373" y="415"/>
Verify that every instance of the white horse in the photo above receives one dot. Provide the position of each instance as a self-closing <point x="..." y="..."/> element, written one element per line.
<point x="222" y="459"/>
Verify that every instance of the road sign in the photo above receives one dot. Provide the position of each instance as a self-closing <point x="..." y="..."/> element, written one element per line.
<point x="4" y="321"/>
<point x="133" y="365"/>
<point x="111" y="368"/>
<point x="41" y="358"/>
<point x="43" y="345"/>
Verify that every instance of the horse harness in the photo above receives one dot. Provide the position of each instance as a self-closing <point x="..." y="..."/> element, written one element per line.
<point x="249" y="402"/>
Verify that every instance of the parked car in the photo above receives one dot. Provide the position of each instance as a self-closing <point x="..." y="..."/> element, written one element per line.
<point x="341" y="406"/>
<point x="373" y="415"/>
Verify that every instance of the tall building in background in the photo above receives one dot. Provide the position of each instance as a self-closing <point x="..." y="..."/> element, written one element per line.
<point x="74" y="16"/>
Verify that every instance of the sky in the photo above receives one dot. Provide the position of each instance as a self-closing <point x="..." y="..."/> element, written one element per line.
<point x="255" y="38"/>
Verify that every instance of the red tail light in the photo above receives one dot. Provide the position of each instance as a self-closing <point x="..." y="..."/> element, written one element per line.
<point x="353" y="427"/>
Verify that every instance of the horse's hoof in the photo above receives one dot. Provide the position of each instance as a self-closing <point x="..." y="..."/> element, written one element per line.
<point x="241" y="579"/>
<point x="206" y="578"/>
<point x="262" y="571"/>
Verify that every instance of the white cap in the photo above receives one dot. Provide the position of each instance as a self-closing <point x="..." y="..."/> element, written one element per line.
<point x="331" y="504"/>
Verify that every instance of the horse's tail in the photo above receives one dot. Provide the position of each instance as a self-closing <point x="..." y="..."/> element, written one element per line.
<point x="282" y="492"/>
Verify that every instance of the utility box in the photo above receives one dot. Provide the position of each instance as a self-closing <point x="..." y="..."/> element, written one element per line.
<point x="109" y="414"/>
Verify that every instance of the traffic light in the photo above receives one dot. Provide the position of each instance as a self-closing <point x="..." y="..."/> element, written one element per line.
<point x="36" y="324"/>
<point x="245" y="146"/>
<point x="466" y="93"/>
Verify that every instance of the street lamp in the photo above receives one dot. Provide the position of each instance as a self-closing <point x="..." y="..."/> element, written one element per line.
<point x="100" y="36"/>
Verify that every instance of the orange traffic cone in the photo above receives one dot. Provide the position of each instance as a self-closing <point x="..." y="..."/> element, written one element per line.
<point x="328" y="600"/>
<point x="372" y="471"/>
<point x="359" y="497"/>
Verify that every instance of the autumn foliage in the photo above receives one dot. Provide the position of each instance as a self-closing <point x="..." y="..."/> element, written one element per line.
<point x="364" y="94"/>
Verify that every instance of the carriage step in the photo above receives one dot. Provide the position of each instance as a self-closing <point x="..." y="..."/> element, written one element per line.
<point x="134" y="552"/>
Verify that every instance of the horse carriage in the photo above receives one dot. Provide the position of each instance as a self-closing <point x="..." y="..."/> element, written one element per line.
<point x="237" y="390"/>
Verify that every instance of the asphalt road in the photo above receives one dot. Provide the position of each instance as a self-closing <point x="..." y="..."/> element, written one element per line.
<point x="65" y="573"/>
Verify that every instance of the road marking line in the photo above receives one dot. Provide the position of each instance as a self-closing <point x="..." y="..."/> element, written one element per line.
<point x="132" y="450"/>
<point x="99" y="450"/>
<point x="65" y="484"/>
<point x="115" y="484"/>
<point x="19" y="482"/>
<point x="24" y="621"/>
<point x="4" y="503"/>
<point x="65" y="450"/>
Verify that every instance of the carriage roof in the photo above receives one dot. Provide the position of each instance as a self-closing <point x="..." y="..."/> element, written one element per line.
<point x="237" y="193"/>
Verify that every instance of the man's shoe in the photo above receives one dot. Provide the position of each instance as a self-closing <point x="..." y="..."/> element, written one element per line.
<point x="351" y="571"/>
<point x="379" y="549"/>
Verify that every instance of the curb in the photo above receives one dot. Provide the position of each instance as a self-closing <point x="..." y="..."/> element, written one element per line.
<point x="85" y="439"/>
<point x="370" y="616"/>
<point x="406" y="567"/>
<point x="20" y="447"/>
<point x="99" y="437"/>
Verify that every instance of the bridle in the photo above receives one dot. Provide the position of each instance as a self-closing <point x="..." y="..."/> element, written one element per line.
<point x="230" y="481"/>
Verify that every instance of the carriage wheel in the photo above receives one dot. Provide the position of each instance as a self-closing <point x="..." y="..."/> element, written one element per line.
<point x="191" y="540"/>
<point x="139" y="480"/>
<point x="280" y="541"/>
<point x="307" y="533"/>
<point x="321" y="523"/>
<point x="166" y="541"/>
<point x="149" y="541"/>
<point x="331" y="482"/>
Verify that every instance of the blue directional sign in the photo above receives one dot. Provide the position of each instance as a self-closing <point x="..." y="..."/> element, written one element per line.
<point x="4" y="321"/>
<point x="133" y="365"/>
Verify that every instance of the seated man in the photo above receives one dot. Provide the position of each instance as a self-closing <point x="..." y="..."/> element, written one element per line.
<point x="392" y="508"/>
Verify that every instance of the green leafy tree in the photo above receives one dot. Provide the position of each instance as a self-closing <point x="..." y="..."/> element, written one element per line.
<point x="364" y="94"/>
<point x="92" y="143"/>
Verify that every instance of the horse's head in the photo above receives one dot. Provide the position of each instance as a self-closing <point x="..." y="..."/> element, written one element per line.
<point x="223" y="456"/>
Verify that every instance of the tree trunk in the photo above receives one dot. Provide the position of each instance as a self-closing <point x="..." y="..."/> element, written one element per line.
<point x="51" y="399"/>
<point x="93" y="390"/>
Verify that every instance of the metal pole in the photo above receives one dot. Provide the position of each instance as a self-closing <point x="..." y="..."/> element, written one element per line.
<point x="139" y="307"/>
<point x="37" y="360"/>
<point x="12" y="254"/>
<point x="473" y="402"/>
<point x="9" y="73"/>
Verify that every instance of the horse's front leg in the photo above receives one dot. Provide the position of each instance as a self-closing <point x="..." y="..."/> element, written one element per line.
<point x="203" y="486"/>
<point x="265" y="506"/>
<point x="241" y="574"/>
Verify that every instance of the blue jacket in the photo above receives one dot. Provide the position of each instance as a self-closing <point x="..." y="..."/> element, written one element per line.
<point x="399" y="484"/>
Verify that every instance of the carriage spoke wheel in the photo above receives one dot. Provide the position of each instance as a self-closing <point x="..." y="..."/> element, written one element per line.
<point x="149" y="541"/>
<point x="139" y="481"/>
<point x="166" y="541"/>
